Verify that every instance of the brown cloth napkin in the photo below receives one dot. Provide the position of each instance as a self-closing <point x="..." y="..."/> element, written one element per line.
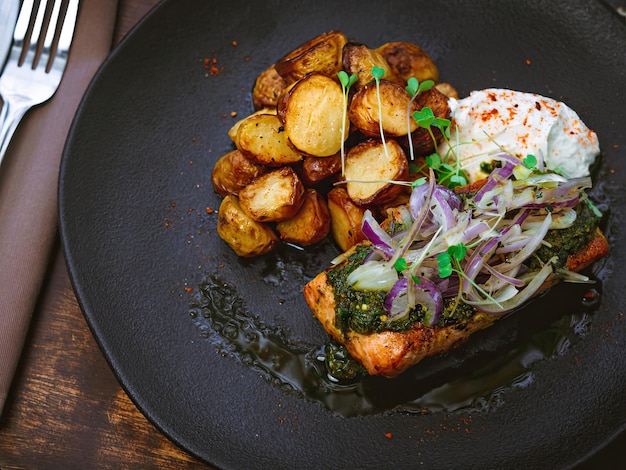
<point x="28" y="185"/>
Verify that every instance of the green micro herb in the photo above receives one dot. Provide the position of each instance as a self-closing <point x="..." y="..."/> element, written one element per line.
<point x="400" y="265"/>
<point x="346" y="83"/>
<point x="414" y="88"/>
<point x="378" y="73"/>
<point x="447" y="175"/>
<point x="530" y="161"/>
<point x="450" y="262"/>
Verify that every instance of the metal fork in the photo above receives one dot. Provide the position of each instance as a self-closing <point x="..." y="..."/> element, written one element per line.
<point x="33" y="79"/>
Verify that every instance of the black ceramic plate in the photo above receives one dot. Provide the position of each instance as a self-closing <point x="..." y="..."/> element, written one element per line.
<point x="227" y="375"/>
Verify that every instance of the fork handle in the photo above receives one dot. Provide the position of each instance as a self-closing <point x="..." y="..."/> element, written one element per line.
<point x="10" y="116"/>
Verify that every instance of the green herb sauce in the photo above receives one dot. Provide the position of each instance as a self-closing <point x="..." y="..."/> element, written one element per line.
<point x="363" y="312"/>
<point x="567" y="240"/>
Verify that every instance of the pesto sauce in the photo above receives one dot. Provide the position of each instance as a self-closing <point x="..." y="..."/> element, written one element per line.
<point x="364" y="312"/>
<point x="568" y="240"/>
<point x="340" y="363"/>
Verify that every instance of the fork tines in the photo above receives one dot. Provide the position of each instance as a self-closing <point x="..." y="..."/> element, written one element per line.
<point x="39" y="33"/>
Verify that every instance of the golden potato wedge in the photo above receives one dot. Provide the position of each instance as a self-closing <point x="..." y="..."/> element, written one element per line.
<point x="360" y="59"/>
<point x="312" y="112"/>
<point x="232" y="132"/>
<point x="317" y="169"/>
<point x="369" y="168"/>
<point x="364" y="110"/>
<point x="273" y="196"/>
<point x="261" y="139"/>
<point x="321" y="54"/>
<point x="409" y="60"/>
<point x="345" y="219"/>
<point x="244" y="235"/>
<point x="268" y="86"/>
<point x="422" y="141"/>
<point x="232" y="172"/>
<point x="310" y="225"/>
<point x="448" y="90"/>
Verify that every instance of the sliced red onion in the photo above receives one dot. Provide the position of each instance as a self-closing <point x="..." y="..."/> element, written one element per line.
<point x="496" y="177"/>
<point x="489" y="307"/>
<point x="441" y="210"/>
<point x="380" y="239"/>
<point x="506" y="279"/>
<point x="532" y="245"/>
<point x="401" y="299"/>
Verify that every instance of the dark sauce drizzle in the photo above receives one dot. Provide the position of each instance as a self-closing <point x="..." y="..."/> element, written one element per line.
<point x="474" y="377"/>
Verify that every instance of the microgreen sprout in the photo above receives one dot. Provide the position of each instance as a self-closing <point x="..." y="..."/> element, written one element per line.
<point x="346" y="83"/>
<point x="378" y="73"/>
<point x="593" y="208"/>
<point x="528" y="168"/>
<point x="447" y="175"/>
<point x="530" y="161"/>
<point x="449" y="262"/>
<point x="400" y="265"/>
<point x="413" y="88"/>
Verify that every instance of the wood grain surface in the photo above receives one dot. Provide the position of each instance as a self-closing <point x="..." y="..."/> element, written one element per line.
<point x="66" y="409"/>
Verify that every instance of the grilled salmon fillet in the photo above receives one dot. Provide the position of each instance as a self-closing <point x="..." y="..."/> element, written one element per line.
<point x="390" y="353"/>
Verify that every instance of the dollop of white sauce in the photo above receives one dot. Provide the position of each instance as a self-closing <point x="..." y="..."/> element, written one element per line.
<point x="496" y="120"/>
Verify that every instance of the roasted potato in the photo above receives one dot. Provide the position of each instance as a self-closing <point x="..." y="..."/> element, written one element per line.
<point x="261" y="139"/>
<point x="318" y="169"/>
<point x="422" y="140"/>
<point x="310" y="225"/>
<point x="370" y="168"/>
<point x="409" y="60"/>
<point x="268" y="86"/>
<point x="232" y="172"/>
<point x="322" y="54"/>
<point x="312" y="112"/>
<point x="274" y="196"/>
<point x="244" y="235"/>
<point x="232" y="132"/>
<point x="448" y="90"/>
<point x="345" y="219"/>
<point x="364" y="110"/>
<point x="360" y="59"/>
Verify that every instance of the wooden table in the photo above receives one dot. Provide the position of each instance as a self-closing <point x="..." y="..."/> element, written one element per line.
<point x="66" y="408"/>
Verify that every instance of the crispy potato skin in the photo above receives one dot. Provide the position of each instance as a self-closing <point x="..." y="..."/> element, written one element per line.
<point x="448" y="90"/>
<point x="318" y="169"/>
<point x="310" y="225"/>
<point x="321" y="54"/>
<point x="268" y="87"/>
<point x="369" y="170"/>
<point x="409" y="60"/>
<point x="364" y="110"/>
<point x="346" y="218"/>
<point x="312" y="112"/>
<point x="274" y="196"/>
<point x="244" y="235"/>
<point x="233" y="172"/>
<point x="360" y="59"/>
